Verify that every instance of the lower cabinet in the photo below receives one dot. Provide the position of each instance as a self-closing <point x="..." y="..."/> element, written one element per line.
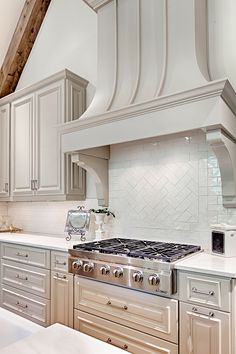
<point x="204" y="330"/>
<point x="125" y="338"/>
<point x="62" y="298"/>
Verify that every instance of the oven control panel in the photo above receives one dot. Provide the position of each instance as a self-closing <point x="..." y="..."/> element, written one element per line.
<point x="160" y="282"/>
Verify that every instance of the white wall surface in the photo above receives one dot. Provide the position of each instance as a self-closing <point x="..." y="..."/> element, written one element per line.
<point x="67" y="39"/>
<point x="10" y="11"/>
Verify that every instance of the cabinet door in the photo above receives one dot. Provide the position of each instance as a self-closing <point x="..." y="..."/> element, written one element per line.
<point x="4" y="150"/>
<point x="22" y="152"/>
<point x="203" y="330"/>
<point x="49" y="114"/>
<point x="62" y="298"/>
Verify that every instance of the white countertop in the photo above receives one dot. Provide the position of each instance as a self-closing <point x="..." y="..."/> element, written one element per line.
<point x="35" y="240"/>
<point x="59" y="339"/>
<point x="209" y="264"/>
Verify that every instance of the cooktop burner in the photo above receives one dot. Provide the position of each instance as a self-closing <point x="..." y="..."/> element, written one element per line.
<point x="163" y="251"/>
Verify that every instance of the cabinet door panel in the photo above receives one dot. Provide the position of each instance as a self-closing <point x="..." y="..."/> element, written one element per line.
<point x="203" y="331"/>
<point x="49" y="113"/>
<point x="62" y="298"/>
<point x="34" y="308"/>
<point x="4" y="150"/>
<point x="22" y="120"/>
<point x="132" y="341"/>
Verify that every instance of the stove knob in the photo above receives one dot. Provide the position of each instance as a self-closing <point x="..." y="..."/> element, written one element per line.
<point x="154" y="279"/>
<point x="77" y="264"/>
<point x="88" y="267"/>
<point x="118" y="272"/>
<point x="137" y="277"/>
<point x="105" y="270"/>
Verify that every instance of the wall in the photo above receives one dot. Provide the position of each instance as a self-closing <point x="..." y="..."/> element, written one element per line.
<point x="167" y="189"/>
<point x="67" y="39"/>
<point x="9" y="14"/>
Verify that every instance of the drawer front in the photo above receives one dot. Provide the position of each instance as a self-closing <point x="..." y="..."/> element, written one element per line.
<point x="59" y="261"/>
<point x="29" y="255"/>
<point x="26" y="305"/>
<point x="147" y="313"/>
<point x="211" y="291"/>
<point x="125" y="338"/>
<point x="26" y="278"/>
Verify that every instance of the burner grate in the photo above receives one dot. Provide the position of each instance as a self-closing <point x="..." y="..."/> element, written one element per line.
<point x="163" y="251"/>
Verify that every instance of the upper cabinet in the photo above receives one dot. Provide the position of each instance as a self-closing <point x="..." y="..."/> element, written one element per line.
<point x="4" y="151"/>
<point x="39" y="170"/>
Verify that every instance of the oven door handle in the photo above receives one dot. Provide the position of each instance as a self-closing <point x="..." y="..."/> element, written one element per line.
<point x="121" y="307"/>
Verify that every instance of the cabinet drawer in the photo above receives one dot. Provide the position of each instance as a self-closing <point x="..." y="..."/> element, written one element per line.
<point x="26" y="278"/>
<point x="205" y="290"/>
<point x="125" y="338"/>
<point x="59" y="261"/>
<point x="28" y="255"/>
<point x="27" y="305"/>
<point x="204" y="330"/>
<point x="147" y="313"/>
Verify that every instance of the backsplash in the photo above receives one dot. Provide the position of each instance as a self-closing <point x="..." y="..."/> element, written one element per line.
<point x="167" y="189"/>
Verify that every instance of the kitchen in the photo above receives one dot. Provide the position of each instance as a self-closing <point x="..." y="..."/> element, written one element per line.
<point x="164" y="189"/>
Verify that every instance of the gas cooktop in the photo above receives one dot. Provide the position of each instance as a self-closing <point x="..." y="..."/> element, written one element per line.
<point x="137" y="264"/>
<point x="163" y="251"/>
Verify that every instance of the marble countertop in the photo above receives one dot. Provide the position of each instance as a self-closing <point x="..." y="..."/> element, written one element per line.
<point x="59" y="339"/>
<point x="209" y="264"/>
<point x="41" y="241"/>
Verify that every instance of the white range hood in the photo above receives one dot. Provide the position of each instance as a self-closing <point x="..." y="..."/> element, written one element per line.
<point x="153" y="80"/>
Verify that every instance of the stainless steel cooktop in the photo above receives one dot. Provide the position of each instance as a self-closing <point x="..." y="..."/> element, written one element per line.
<point x="138" y="264"/>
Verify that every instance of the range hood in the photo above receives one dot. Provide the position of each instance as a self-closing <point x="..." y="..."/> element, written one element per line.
<point x="153" y="80"/>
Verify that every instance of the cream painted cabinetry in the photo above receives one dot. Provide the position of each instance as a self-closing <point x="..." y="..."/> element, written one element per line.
<point x="4" y="151"/>
<point x="38" y="169"/>
<point x="205" y="314"/>
<point x="128" y="339"/>
<point x="61" y="290"/>
<point x="120" y="316"/>
<point x="204" y="330"/>
<point x="25" y="287"/>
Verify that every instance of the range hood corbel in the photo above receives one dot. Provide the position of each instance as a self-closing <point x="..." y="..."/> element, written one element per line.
<point x="224" y="148"/>
<point x="95" y="162"/>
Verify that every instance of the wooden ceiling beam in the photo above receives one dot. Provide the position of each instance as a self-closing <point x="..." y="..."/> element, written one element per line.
<point x="21" y="44"/>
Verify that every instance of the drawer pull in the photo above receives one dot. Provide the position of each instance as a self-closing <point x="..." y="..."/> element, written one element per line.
<point x="210" y="292"/>
<point x="209" y="314"/>
<point x="124" y="307"/>
<point x="22" y="254"/>
<point x="18" y="276"/>
<point x="61" y="263"/>
<point x="125" y="346"/>
<point x="61" y="277"/>
<point x="21" y="305"/>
